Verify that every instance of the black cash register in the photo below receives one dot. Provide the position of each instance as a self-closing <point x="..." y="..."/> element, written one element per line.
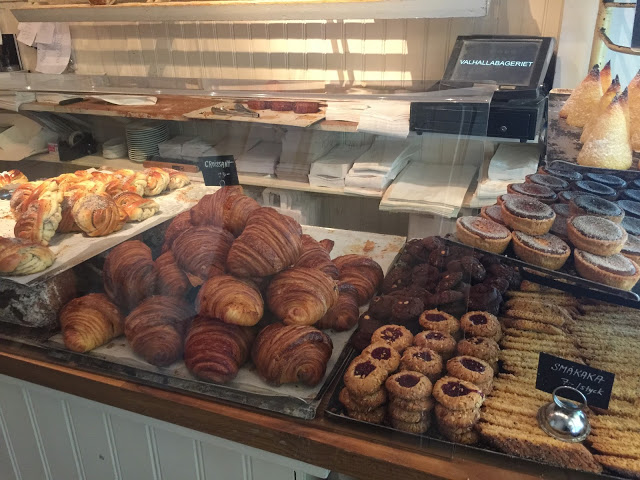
<point x="518" y="66"/>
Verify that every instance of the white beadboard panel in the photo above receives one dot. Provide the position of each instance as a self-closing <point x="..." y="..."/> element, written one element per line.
<point x="130" y="440"/>
<point x="221" y="463"/>
<point x="176" y="455"/>
<point x="264" y="470"/>
<point x="8" y="465"/>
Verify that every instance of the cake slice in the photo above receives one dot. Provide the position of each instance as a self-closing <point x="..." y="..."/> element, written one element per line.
<point x="584" y="99"/>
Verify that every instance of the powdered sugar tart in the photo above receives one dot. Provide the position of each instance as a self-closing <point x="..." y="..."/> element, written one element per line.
<point x="546" y="250"/>
<point x="596" y="235"/>
<point x="483" y="233"/>
<point x="613" y="270"/>
<point x="527" y="215"/>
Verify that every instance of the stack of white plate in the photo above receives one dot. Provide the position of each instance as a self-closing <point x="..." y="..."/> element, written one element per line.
<point x="143" y="139"/>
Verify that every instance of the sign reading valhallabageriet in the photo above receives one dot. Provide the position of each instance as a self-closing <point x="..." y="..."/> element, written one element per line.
<point x="594" y="384"/>
<point x="496" y="63"/>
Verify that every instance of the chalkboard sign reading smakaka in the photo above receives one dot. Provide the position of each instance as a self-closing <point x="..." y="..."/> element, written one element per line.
<point x="219" y="170"/>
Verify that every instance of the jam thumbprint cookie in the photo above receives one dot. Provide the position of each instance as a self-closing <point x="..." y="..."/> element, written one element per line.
<point x="456" y="394"/>
<point x="472" y="370"/>
<point x="440" y="342"/>
<point x="439" y="322"/>
<point x="481" y="233"/>
<point x="527" y="215"/>
<point x="484" y="348"/>
<point x="365" y="403"/>
<point x="421" y="405"/>
<point x="481" y="324"/>
<point x="384" y="355"/>
<point x="456" y="419"/>
<point x="546" y="250"/>
<point x="364" y="377"/>
<point x="408" y="385"/>
<point x="424" y="360"/>
<point x="395" y="336"/>
<point x="615" y="270"/>
<point x="596" y="235"/>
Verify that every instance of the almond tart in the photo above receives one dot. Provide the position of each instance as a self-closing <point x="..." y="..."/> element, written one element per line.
<point x="631" y="249"/>
<point x="615" y="270"/>
<point x="492" y="212"/>
<point x="546" y="250"/>
<point x="527" y="215"/>
<point x="596" y="235"/>
<point x="483" y="233"/>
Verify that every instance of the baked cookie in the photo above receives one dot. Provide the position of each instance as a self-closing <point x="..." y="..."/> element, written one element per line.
<point x="425" y="276"/>
<point x="546" y="250"/>
<point x="420" y="405"/>
<point x="439" y="321"/>
<point x="588" y="204"/>
<point x="481" y="233"/>
<point x="539" y="192"/>
<point x="631" y="249"/>
<point x="481" y="324"/>
<point x="394" y="335"/>
<point x="484" y="348"/>
<point x="472" y="370"/>
<point x="493" y="213"/>
<point x="408" y="385"/>
<point x="424" y="360"/>
<point x="367" y="324"/>
<point x="606" y="179"/>
<point x="364" y="376"/>
<point x="456" y="394"/>
<point x="419" y="427"/>
<point x="594" y="188"/>
<point x="615" y="270"/>
<point x="596" y="235"/>
<point x="363" y="404"/>
<point x="440" y="342"/>
<point x="528" y="215"/>
<point x="380" y="307"/>
<point x="556" y="184"/>
<point x="407" y="415"/>
<point x="465" y="437"/>
<point x="384" y="355"/>
<point x="373" y="416"/>
<point x="406" y="310"/>
<point x="456" y="419"/>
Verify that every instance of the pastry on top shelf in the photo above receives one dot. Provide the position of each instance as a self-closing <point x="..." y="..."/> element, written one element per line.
<point x="135" y="207"/>
<point x="177" y="179"/>
<point x="157" y="181"/>
<point x="22" y="257"/>
<point x="40" y="219"/>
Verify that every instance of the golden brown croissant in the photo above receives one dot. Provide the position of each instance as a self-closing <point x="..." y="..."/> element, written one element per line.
<point x="170" y="279"/>
<point x="202" y="252"/>
<point x="214" y="351"/>
<point x="12" y="176"/>
<point x="210" y="209"/>
<point x="236" y="211"/>
<point x="128" y="274"/>
<point x="157" y="181"/>
<point x="345" y="313"/>
<point x="135" y="207"/>
<point x="90" y="321"/>
<point x="156" y="329"/>
<point x="40" y="220"/>
<point x="327" y="244"/>
<point x="301" y="296"/>
<point x="231" y="300"/>
<point x="314" y="255"/>
<point x="21" y="257"/>
<point x="362" y="272"/>
<point x="269" y="243"/>
<point x="177" y="179"/>
<point x="291" y="354"/>
<point x="67" y="223"/>
<point x="179" y="224"/>
<point x="97" y="215"/>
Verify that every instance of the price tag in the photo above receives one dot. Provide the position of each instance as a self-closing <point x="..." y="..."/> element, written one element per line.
<point x="594" y="384"/>
<point x="219" y="170"/>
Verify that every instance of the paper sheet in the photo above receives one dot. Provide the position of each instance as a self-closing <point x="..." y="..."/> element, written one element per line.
<point x="27" y="32"/>
<point x="132" y="100"/>
<point x="45" y="33"/>
<point x="54" y="57"/>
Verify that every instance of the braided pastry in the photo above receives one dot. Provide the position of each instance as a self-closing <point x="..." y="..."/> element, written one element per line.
<point x="210" y="209"/>
<point x="21" y="257"/>
<point x="202" y="252"/>
<point x="231" y="300"/>
<point x="156" y="329"/>
<point x="214" y="351"/>
<point x="170" y="279"/>
<point x="157" y="181"/>
<point x="123" y="181"/>
<point x="67" y="178"/>
<point x="177" y="179"/>
<point x="128" y="274"/>
<point x="20" y="198"/>
<point x="97" y="215"/>
<point x="301" y="296"/>
<point x="362" y="272"/>
<point x="90" y="321"/>
<point x="236" y="211"/>
<point x="291" y="354"/>
<point x="86" y="186"/>
<point x="345" y="313"/>
<point x="40" y="220"/>
<point x="67" y="223"/>
<point x="179" y="224"/>
<point x="135" y="207"/>
<point x="314" y="255"/>
<point x="269" y="243"/>
<point x="12" y="176"/>
<point x="102" y="177"/>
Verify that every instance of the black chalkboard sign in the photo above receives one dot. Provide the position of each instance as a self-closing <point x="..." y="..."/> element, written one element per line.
<point x="594" y="384"/>
<point x="219" y="170"/>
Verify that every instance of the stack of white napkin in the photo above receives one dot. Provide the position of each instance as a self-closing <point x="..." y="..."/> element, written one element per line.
<point x="345" y="111"/>
<point x="300" y="148"/>
<point x="261" y="159"/>
<point x="331" y="170"/>
<point x="386" y="118"/>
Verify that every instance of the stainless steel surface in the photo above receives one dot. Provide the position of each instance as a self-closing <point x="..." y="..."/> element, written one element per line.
<point x="565" y="419"/>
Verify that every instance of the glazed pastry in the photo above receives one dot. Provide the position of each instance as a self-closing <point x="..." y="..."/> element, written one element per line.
<point x="423" y="360"/>
<point x="409" y="385"/>
<point x="456" y="394"/>
<point x="596" y="235"/>
<point x="291" y="354"/>
<point x="344" y="314"/>
<point x="559" y="226"/>
<point x="605" y="179"/>
<point x="384" y="355"/>
<point x="128" y="274"/>
<point x="546" y="250"/>
<point x="22" y="257"/>
<point x="314" y="255"/>
<point x="90" y="321"/>
<point x="170" y="279"/>
<point x="528" y="215"/>
<point x="134" y="183"/>
<point x="214" y="351"/>
<point x="481" y="324"/>
<point x="202" y="252"/>
<point x="588" y="204"/>
<point x="563" y="173"/>
<point x="235" y="212"/>
<point x="157" y="181"/>
<point x="179" y="224"/>
<point x="98" y="215"/>
<point x="231" y="300"/>
<point x="210" y="209"/>
<point x="615" y="270"/>
<point x="362" y="272"/>
<point x="472" y="370"/>
<point x="539" y="192"/>
<point x="67" y="222"/>
<point x="12" y="177"/>
<point x="156" y="328"/>
<point x="396" y="336"/>
<point x="269" y="243"/>
<point x="135" y="207"/>
<point x="631" y="249"/>
<point x="439" y="322"/>
<point x="440" y="342"/>
<point x="554" y="183"/>
<point x="301" y="296"/>
<point x="595" y="188"/>
<point x="493" y="213"/>
<point x="481" y="233"/>
<point x="630" y="207"/>
<point x="40" y="220"/>
<point x="20" y="197"/>
<point x="177" y="179"/>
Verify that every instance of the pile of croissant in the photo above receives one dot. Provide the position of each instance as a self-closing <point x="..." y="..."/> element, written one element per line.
<point x="245" y="260"/>
<point x="96" y="203"/>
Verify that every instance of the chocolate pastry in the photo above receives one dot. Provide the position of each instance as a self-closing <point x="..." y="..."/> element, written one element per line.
<point x="449" y="297"/>
<point x="539" y="192"/>
<point x="507" y="272"/>
<point x="608" y="180"/>
<point x="425" y="276"/>
<point x="456" y="394"/>
<point x="364" y="377"/>
<point x="631" y="225"/>
<point x="380" y="307"/>
<point x="615" y="270"/>
<point x="481" y="324"/>
<point x="630" y="207"/>
<point x="499" y="283"/>
<point x="493" y="213"/>
<point x="374" y="416"/>
<point x="484" y="297"/>
<point x="420" y="248"/>
<point x="565" y="174"/>
<point x="528" y="215"/>
<point x="440" y="342"/>
<point x="364" y="403"/>
<point x="417" y="428"/>
<point x="439" y="321"/>
<point x="395" y="335"/>
<point x="484" y="348"/>
<point x="631" y="249"/>
<point x="420" y="405"/>
<point x="567" y="195"/>
<point x="384" y="355"/>
<point x="630" y="194"/>
<point x="406" y="310"/>
<point x="408" y="385"/>
<point x="588" y="204"/>
<point x="367" y="324"/>
<point x="423" y="360"/>
<point x="596" y="235"/>
<point x="595" y="188"/>
<point x="556" y="184"/>
<point x="472" y="370"/>
<point x="471" y="266"/>
<point x="478" y="232"/>
<point x="546" y="250"/>
<point x="399" y="277"/>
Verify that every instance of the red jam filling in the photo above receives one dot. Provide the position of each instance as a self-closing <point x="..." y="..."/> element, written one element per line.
<point x="407" y="381"/>
<point x="391" y="334"/>
<point x="478" y="319"/>
<point x="435" y="317"/>
<point x="472" y="365"/>
<point x="426" y="356"/>
<point x="434" y="336"/>
<point x="455" y="389"/>
<point x="363" y="370"/>
<point x="381" y="353"/>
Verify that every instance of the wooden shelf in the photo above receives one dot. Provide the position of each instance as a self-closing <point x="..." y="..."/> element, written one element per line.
<point x="250" y="10"/>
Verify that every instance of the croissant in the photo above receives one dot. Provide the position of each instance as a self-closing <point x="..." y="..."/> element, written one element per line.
<point x="157" y="181"/>
<point x="12" y="176"/>
<point x="291" y="354"/>
<point x="21" y="257"/>
<point x="67" y="223"/>
<point x="179" y="224"/>
<point x="97" y="215"/>
<point x="90" y="321"/>
<point x="236" y="211"/>
<point x="362" y="272"/>
<point x="128" y="274"/>
<point x="314" y="255"/>
<point x="210" y="209"/>
<point x="269" y="243"/>
<point x="345" y="313"/>
<point x="135" y="207"/>
<point x="177" y="179"/>
<point x="202" y="252"/>
<point x="156" y="329"/>
<point x="301" y="296"/>
<point x="214" y="351"/>
<point x="231" y="300"/>
<point x="327" y="244"/>
<point x="40" y="220"/>
<point x="170" y="279"/>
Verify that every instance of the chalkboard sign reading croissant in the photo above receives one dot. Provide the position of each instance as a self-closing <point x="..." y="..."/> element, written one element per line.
<point x="291" y="354"/>
<point x="231" y="300"/>
<point x="269" y="243"/>
<point x="128" y="274"/>
<point x="362" y="272"/>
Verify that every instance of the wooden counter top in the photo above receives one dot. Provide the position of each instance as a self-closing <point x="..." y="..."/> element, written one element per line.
<point x="321" y="442"/>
